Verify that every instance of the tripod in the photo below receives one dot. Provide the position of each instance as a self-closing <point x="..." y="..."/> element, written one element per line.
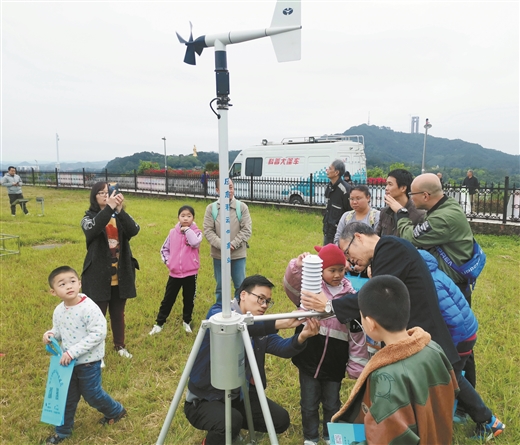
<point x="228" y="339"/>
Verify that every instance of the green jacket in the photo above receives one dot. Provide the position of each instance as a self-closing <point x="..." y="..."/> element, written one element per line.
<point x="405" y="394"/>
<point x="444" y="225"/>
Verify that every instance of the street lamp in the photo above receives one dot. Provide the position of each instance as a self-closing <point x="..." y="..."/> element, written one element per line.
<point x="165" y="163"/>
<point x="427" y="126"/>
<point x="57" y="152"/>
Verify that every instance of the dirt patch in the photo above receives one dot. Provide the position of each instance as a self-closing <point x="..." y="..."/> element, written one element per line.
<point x="46" y="246"/>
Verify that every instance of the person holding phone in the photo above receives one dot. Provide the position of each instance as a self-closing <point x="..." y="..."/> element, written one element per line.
<point x="108" y="275"/>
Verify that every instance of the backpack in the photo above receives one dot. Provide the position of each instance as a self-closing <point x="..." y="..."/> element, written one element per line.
<point x="470" y="270"/>
<point x="214" y="210"/>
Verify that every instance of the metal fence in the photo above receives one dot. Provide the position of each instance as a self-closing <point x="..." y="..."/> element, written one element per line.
<point x="499" y="202"/>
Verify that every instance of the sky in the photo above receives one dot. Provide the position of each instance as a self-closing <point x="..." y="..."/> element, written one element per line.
<point x="109" y="77"/>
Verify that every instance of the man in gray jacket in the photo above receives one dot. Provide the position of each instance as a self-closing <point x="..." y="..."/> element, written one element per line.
<point x="13" y="182"/>
<point x="240" y="227"/>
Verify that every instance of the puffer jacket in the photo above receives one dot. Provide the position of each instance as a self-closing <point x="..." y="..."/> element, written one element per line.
<point x="455" y="309"/>
<point x="180" y="251"/>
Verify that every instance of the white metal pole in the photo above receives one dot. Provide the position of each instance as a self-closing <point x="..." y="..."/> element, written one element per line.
<point x="57" y="152"/>
<point x="165" y="161"/>
<point x="426" y="127"/>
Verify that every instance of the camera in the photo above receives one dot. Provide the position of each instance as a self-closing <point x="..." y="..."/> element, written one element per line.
<point x="113" y="187"/>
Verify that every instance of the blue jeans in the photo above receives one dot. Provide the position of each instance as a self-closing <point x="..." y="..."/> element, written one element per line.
<point x="238" y="274"/>
<point x="312" y="392"/>
<point x="86" y="382"/>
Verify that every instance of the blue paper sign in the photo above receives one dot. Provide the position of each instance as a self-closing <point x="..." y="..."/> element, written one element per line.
<point x="346" y="433"/>
<point x="58" y="381"/>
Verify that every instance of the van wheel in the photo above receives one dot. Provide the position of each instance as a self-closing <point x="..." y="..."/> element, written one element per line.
<point x="296" y="199"/>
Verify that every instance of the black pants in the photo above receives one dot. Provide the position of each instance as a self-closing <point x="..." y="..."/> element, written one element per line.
<point x="189" y="290"/>
<point x="211" y="417"/>
<point x="12" y="198"/>
<point x="469" y="368"/>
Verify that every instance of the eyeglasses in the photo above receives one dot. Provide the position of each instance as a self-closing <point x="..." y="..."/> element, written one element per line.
<point x="418" y="193"/>
<point x="345" y="252"/>
<point x="102" y="193"/>
<point x="357" y="199"/>
<point x="261" y="300"/>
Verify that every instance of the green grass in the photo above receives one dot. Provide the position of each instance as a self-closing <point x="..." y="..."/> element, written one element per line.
<point x="146" y="384"/>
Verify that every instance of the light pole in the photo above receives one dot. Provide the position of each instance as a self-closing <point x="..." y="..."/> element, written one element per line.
<point x="427" y="126"/>
<point x="57" y="152"/>
<point x="165" y="163"/>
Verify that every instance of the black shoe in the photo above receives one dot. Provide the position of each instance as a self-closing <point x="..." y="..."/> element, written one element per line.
<point x="51" y="440"/>
<point x="107" y="421"/>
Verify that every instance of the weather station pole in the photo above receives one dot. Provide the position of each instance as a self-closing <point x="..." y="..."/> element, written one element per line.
<point x="229" y="337"/>
<point x="427" y="126"/>
<point x="57" y="160"/>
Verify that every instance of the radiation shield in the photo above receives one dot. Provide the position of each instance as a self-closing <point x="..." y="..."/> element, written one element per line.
<point x="226" y="351"/>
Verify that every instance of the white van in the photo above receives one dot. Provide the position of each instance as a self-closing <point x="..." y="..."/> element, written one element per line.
<point x="282" y="172"/>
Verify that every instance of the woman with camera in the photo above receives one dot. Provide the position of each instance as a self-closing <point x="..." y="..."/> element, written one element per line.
<point x="108" y="275"/>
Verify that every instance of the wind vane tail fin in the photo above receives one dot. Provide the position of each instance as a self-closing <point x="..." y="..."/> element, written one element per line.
<point x="287" y="46"/>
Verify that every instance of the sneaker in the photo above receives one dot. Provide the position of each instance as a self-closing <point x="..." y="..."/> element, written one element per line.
<point x="107" y="421"/>
<point x="51" y="440"/>
<point x="13" y="215"/>
<point x="487" y="431"/>
<point x="460" y="417"/>
<point x="156" y="329"/>
<point x="310" y="442"/>
<point x="123" y="352"/>
<point x="326" y="441"/>
<point x="187" y="327"/>
<point x="102" y="364"/>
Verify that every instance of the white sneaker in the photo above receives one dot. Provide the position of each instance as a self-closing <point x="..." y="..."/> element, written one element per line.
<point x="156" y="329"/>
<point x="124" y="353"/>
<point x="102" y="363"/>
<point x="187" y="327"/>
<point x="310" y="442"/>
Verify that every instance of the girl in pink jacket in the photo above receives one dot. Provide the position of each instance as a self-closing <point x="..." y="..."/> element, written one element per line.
<point x="180" y="252"/>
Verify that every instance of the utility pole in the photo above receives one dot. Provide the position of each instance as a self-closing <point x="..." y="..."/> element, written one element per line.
<point x="427" y="126"/>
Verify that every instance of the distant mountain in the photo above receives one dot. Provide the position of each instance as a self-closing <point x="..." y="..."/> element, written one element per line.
<point x="383" y="147"/>
<point x="64" y="166"/>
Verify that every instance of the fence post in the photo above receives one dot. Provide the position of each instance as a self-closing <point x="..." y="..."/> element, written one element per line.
<point x="166" y="180"/>
<point x="506" y="193"/>
<point x="251" y="194"/>
<point x="56" y="172"/>
<point x="34" y="182"/>
<point x="106" y="175"/>
<point x="84" y="179"/>
<point x="135" y="179"/>
<point x="311" y="189"/>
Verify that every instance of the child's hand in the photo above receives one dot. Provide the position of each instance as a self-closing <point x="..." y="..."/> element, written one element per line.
<point x="312" y="328"/>
<point x="299" y="260"/>
<point x="65" y="359"/>
<point x="47" y="337"/>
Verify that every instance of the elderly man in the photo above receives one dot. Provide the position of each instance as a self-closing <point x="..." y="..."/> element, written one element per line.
<point x="397" y="188"/>
<point x="337" y="194"/>
<point x="204" y="407"/>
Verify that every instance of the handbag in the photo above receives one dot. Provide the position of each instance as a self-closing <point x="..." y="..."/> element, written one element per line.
<point x="470" y="270"/>
<point x="58" y="381"/>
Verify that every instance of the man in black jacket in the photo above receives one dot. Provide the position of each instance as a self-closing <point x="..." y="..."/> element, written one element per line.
<point x="337" y="194"/>
<point x="389" y="255"/>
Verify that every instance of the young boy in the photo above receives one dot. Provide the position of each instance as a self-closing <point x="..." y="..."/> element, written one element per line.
<point x="407" y="390"/>
<point x="80" y="325"/>
<point x="322" y="364"/>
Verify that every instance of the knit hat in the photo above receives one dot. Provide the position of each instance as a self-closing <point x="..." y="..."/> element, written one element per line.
<point x="331" y="255"/>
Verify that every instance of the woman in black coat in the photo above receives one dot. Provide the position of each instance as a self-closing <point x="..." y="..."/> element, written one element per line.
<point x="108" y="275"/>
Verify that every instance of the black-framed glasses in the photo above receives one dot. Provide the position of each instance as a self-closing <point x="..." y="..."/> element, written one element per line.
<point x="261" y="300"/>
<point x="345" y="252"/>
<point x="418" y="193"/>
<point x="102" y="193"/>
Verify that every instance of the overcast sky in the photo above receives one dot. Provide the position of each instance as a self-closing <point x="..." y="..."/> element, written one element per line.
<point x="109" y="78"/>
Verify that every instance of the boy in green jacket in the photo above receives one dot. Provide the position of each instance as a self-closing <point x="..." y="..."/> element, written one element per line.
<point x="405" y="394"/>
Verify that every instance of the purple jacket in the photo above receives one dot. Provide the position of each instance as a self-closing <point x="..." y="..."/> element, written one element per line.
<point x="180" y="251"/>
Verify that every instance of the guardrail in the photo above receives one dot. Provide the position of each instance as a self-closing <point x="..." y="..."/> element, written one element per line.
<point x="499" y="202"/>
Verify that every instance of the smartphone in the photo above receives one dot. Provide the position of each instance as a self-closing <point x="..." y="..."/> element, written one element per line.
<point x="112" y="188"/>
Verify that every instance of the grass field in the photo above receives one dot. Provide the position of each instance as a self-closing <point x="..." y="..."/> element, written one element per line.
<point x="146" y="383"/>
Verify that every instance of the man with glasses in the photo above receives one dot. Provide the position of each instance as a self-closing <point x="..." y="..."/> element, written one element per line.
<point x="13" y="182"/>
<point x="398" y="184"/>
<point x="337" y="195"/>
<point x="204" y="407"/>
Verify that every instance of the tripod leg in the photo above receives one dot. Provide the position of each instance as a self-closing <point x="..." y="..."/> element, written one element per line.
<point x="249" y="414"/>
<point x="229" y="427"/>
<point x="259" y="388"/>
<point x="182" y="383"/>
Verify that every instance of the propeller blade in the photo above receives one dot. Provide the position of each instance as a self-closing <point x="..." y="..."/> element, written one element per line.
<point x="189" y="58"/>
